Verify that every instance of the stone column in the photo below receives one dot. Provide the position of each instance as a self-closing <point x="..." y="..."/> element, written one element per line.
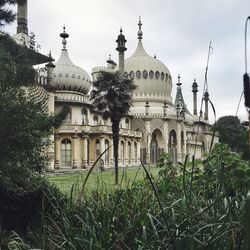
<point x="166" y="136"/>
<point x="184" y="153"/>
<point x="179" y="141"/>
<point x="132" y="152"/>
<point x="57" y="152"/>
<point x="125" y="152"/>
<point x="85" y="152"/>
<point x="75" y="163"/>
<point x="138" y="152"/>
<point x="147" y="126"/>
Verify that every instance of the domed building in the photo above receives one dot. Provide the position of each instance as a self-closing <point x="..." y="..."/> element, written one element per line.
<point x="154" y="125"/>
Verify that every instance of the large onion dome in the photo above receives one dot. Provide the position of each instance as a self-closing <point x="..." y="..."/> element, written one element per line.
<point x="68" y="76"/>
<point x="151" y="76"/>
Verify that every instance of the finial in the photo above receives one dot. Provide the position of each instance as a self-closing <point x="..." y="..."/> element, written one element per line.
<point x="121" y="30"/>
<point x="179" y="80"/>
<point x="64" y="35"/>
<point x="155" y="56"/>
<point x="139" y="33"/>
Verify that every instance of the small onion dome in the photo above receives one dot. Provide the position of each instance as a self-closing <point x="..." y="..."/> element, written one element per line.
<point x="68" y="76"/>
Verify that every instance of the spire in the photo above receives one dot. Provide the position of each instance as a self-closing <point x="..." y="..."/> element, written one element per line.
<point x="195" y="90"/>
<point x="22" y="23"/>
<point x="179" y="81"/>
<point x="64" y="35"/>
<point x="139" y="33"/>
<point x="179" y="100"/>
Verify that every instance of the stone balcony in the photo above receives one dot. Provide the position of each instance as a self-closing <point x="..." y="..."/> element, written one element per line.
<point x="98" y="129"/>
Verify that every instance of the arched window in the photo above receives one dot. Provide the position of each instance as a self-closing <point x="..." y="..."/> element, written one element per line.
<point x="95" y="119"/>
<point x="166" y="76"/>
<point x="157" y="75"/>
<point x="106" y="157"/>
<point x="127" y="123"/>
<point x="145" y="74"/>
<point x="132" y="75"/>
<point x="162" y="76"/>
<point x="84" y="116"/>
<point x="97" y="149"/>
<point x="67" y="119"/>
<point x="138" y="74"/>
<point x="151" y="74"/>
<point x="66" y="153"/>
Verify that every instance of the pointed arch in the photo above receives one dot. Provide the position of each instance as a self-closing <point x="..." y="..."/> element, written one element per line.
<point x="66" y="153"/>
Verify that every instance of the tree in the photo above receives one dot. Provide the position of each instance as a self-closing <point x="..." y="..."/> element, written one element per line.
<point x="25" y="125"/>
<point x="6" y="15"/>
<point x="112" y="94"/>
<point x="25" y="128"/>
<point x="233" y="133"/>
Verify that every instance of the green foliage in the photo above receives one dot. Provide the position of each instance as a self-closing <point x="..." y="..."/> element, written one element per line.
<point x="233" y="133"/>
<point x="24" y="135"/>
<point x="6" y="15"/>
<point x="188" y="206"/>
<point x="228" y="170"/>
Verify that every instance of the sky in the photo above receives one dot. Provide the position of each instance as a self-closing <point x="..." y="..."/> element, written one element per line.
<point x="178" y="32"/>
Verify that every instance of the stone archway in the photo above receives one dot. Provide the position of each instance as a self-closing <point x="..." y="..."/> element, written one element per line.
<point x="156" y="146"/>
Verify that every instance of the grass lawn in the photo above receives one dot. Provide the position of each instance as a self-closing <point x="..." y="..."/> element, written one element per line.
<point x="104" y="180"/>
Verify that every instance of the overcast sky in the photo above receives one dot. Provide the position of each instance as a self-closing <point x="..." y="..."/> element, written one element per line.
<point x="177" y="31"/>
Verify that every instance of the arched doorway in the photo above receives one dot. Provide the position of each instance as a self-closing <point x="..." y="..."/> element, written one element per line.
<point x="156" y="146"/>
<point x="66" y="153"/>
<point x="97" y="149"/>
<point x="172" y="144"/>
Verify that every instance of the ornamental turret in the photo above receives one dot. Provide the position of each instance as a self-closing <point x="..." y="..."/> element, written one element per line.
<point x="121" y="41"/>
<point x="195" y="90"/>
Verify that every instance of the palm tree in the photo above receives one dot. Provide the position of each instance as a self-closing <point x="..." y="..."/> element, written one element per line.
<point x="112" y="94"/>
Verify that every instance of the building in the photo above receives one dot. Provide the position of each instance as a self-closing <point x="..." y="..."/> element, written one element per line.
<point x="155" y="124"/>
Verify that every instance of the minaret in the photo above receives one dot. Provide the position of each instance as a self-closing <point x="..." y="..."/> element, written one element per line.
<point x="206" y="98"/>
<point x="179" y="97"/>
<point x="195" y="90"/>
<point x="22" y="21"/>
<point x="121" y="49"/>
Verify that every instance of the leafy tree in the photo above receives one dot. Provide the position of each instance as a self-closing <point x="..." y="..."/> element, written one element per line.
<point x="24" y="124"/>
<point x="112" y="94"/>
<point x="24" y="138"/>
<point x="6" y="15"/>
<point x="233" y="133"/>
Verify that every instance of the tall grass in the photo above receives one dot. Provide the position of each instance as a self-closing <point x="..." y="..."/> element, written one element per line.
<point x="197" y="205"/>
<point x="185" y="207"/>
